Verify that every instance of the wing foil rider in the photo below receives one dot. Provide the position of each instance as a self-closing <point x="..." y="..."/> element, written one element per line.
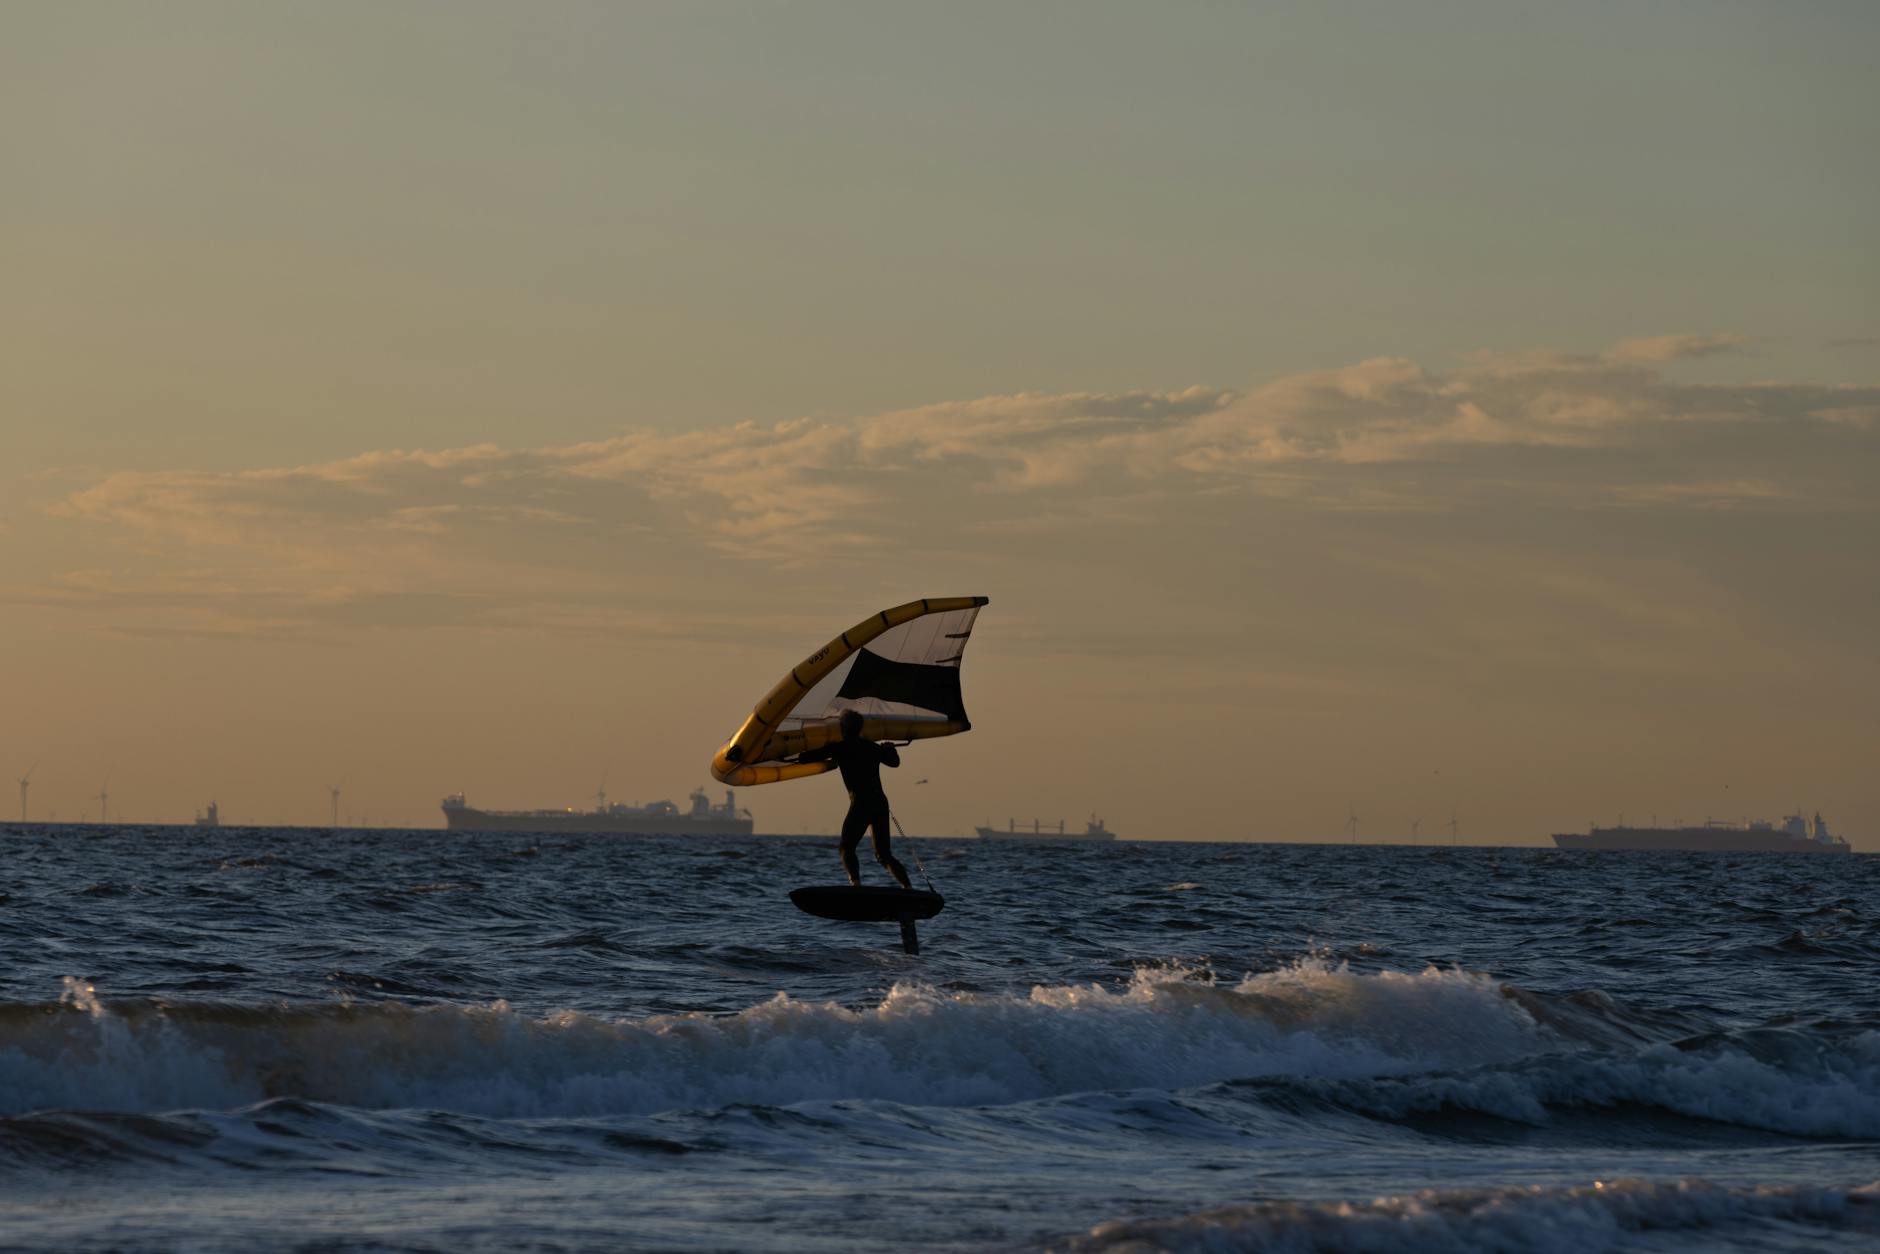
<point x="860" y="761"/>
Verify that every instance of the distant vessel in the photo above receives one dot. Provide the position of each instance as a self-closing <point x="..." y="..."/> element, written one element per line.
<point x="1093" y="830"/>
<point x="209" y="818"/>
<point x="1796" y="835"/>
<point x="660" y="818"/>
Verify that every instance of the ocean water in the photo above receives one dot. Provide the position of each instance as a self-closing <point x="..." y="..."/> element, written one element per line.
<point x="297" y="1039"/>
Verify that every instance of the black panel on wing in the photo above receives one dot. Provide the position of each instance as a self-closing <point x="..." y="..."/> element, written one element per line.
<point x="935" y="688"/>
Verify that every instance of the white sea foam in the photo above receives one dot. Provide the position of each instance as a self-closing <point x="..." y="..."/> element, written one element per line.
<point x="1441" y="1037"/>
<point x="1166" y="1029"/>
<point x="1534" y="1220"/>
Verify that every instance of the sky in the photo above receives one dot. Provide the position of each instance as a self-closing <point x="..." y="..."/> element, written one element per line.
<point x="1425" y="411"/>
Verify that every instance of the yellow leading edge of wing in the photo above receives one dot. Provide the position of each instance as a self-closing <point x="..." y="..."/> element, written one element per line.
<point x="753" y="755"/>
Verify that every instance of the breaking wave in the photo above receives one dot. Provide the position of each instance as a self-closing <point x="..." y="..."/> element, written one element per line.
<point x="1386" y="1046"/>
<point x="1166" y="1029"/>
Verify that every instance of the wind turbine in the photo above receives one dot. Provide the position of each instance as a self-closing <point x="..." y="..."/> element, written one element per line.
<point x="1414" y="825"/>
<point x="104" y="798"/>
<point x="1452" y="827"/>
<point x="600" y="795"/>
<point x="335" y="791"/>
<point x="24" y="781"/>
<point x="1351" y="826"/>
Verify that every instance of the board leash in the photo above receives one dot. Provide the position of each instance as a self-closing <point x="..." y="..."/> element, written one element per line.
<point x="905" y="838"/>
<point x="909" y="842"/>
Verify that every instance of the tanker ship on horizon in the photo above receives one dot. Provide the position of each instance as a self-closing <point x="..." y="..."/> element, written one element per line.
<point x="1796" y="835"/>
<point x="1093" y="830"/>
<point x="659" y="818"/>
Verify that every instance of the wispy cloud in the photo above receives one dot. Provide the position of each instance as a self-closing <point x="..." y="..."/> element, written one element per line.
<point x="1724" y="494"/>
<point x="420" y="536"/>
<point x="1865" y="417"/>
<point x="1663" y="348"/>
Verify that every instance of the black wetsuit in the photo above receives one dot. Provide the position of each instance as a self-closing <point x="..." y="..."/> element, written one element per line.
<point x="860" y="762"/>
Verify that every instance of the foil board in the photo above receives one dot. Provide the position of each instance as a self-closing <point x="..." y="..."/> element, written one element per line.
<point x="867" y="904"/>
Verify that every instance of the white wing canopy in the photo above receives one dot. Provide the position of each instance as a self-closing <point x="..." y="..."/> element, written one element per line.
<point x="900" y="669"/>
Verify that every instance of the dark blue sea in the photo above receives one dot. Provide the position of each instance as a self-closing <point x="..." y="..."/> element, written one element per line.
<point x="270" y="1039"/>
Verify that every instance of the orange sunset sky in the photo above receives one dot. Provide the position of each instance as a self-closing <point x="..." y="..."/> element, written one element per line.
<point x="1474" y="412"/>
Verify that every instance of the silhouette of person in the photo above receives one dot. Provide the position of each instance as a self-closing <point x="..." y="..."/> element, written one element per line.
<point x="860" y="762"/>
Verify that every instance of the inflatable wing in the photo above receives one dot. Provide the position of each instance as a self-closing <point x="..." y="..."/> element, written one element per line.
<point x="900" y="668"/>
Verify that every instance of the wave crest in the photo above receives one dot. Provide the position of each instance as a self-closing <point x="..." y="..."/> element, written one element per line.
<point x="1776" y="1081"/>
<point x="1168" y="1028"/>
<point x="1388" y="1046"/>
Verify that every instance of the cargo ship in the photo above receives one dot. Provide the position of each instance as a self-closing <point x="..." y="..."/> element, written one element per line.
<point x="660" y="818"/>
<point x="1093" y="830"/>
<point x="1795" y="835"/>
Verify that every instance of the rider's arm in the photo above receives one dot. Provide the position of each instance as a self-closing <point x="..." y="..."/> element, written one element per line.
<point x="890" y="756"/>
